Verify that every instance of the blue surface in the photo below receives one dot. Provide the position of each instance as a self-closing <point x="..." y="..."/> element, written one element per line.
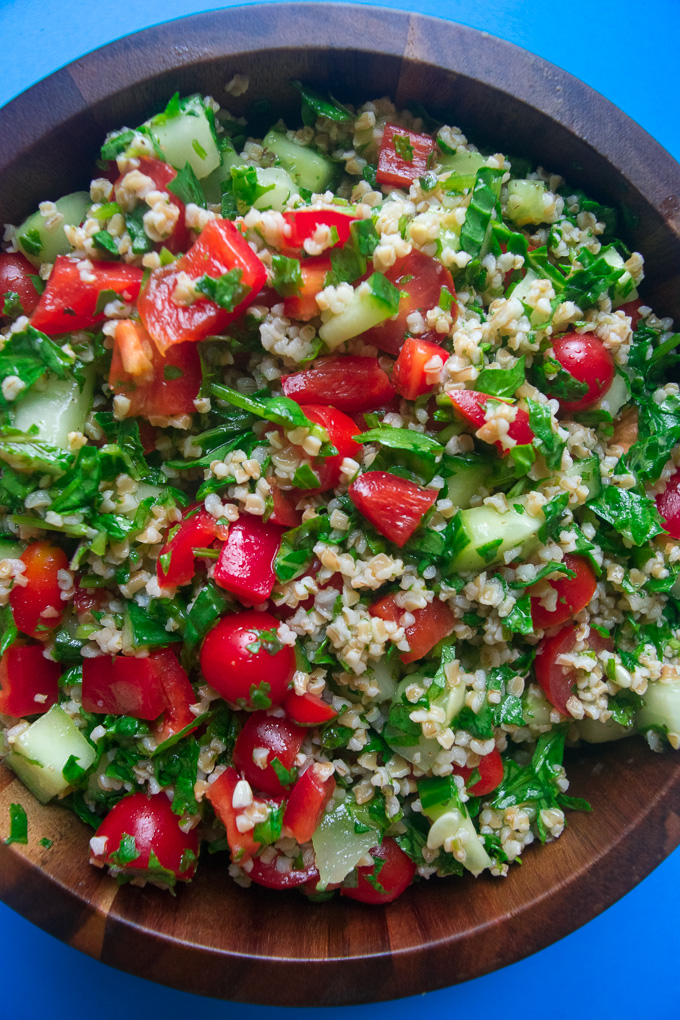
<point x="624" y="963"/>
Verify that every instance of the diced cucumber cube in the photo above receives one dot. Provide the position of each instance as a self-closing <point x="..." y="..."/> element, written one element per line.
<point x="595" y="732"/>
<point x="588" y="470"/>
<point x="491" y="534"/>
<point x="283" y="188"/>
<point x="451" y="821"/>
<point x="367" y="307"/>
<point x="42" y="243"/>
<point x="525" y="202"/>
<point x="308" y="168"/>
<point x="470" y="474"/>
<point x="40" y="753"/>
<point x="10" y="549"/>
<point x="624" y="289"/>
<point x="661" y="707"/>
<point x="338" y="846"/>
<point x="212" y="184"/>
<point x="59" y="409"/>
<point x="616" y="397"/>
<point x="187" y="137"/>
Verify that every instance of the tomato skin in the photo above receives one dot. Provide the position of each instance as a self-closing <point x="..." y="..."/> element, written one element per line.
<point x="41" y="594"/>
<point x="284" y="512"/>
<point x="233" y="669"/>
<point x="85" y="600"/>
<point x="394" y="876"/>
<point x="585" y="357"/>
<point x="161" y="174"/>
<point x="394" y="168"/>
<point x="431" y="625"/>
<point x="668" y="505"/>
<point x="308" y="710"/>
<point x="155" y="829"/>
<point x="490" y="774"/>
<point x="15" y="277"/>
<point x="179" y="696"/>
<point x="348" y="383"/>
<point x="632" y="309"/>
<point x="195" y="532"/>
<point x="409" y="376"/>
<point x="573" y="594"/>
<point x="162" y="386"/>
<point x="246" y="563"/>
<point x="393" y="505"/>
<point x="67" y="290"/>
<point x="307" y="802"/>
<point x="282" y="739"/>
<point x="304" y="222"/>
<point x="470" y="405"/>
<point x="25" y="674"/>
<point x="554" y="679"/>
<point x="219" y="249"/>
<point x="125" y="685"/>
<point x="303" y="305"/>
<point x="341" y="432"/>
<point x="269" y="876"/>
<point x="421" y="278"/>
<point x="221" y="796"/>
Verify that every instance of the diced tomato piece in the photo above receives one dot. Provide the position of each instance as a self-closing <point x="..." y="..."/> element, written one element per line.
<point x="154" y="385"/>
<point x="246" y="563"/>
<point x="573" y="594"/>
<point x="29" y="683"/>
<point x="341" y="432"/>
<point x="307" y="801"/>
<point x="303" y="305"/>
<point x="471" y="406"/>
<point x="632" y="309"/>
<point x="409" y="376"/>
<point x="285" y="512"/>
<point x="668" y="505"/>
<point x="161" y="174"/>
<point x="179" y="696"/>
<point x="155" y="829"/>
<point x="304" y="223"/>
<point x="557" y="680"/>
<point x="280" y="738"/>
<point x="37" y="606"/>
<point x="271" y="876"/>
<point x="219" y="249"/>
<point x="587" y="359"/>
<point x="148" y="434"/>
<point x="490" y="774"/>
<point x="385" y="880"/>
<point x="237" y="661"/>
<point x="394" y="506"/>
<point x="431" y="625"/>
<point x="404" y="156"/>
<point x="175" y="564"/>
<point x="125" y="685"/>
<point x="308" y="710"/>
<point x="221" y="796"/>
<point x="69" y="300"/>
<point x="347" y="383"/>
<point x="85" y="600"/>
<point x="15" y="278"/>
<point x="421" y="280"/>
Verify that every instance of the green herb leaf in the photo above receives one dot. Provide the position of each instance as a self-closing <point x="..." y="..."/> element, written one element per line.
<point x="315" y="105"/>
<point x="476" y="227"/>
<point x="501" y="382"/>
<point x="287" y="278"/>
<point x="31" y="242"/>
<point x="106" y="242"/>
<point x="18" y="825"/>
<point x="633" y="515"/>
<point x="227" y="291"/>
<point x="385" y="292"/>
<point x="403" y="148"/>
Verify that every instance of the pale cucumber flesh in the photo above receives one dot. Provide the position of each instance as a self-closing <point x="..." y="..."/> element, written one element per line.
<point x="661" y="707"/>
<point x="188" y="138"/>
<point x="41" y="752"/>
<point x="469" y="477"/>
<point x="53" y="239"/>
<point x="483" y="525"/>
<point x="525" y="201"/>
<point x="338" y="847"/>
<point x="362" y="312"/>
<point x="60" y="408"/>
<point x="307" y="167"/>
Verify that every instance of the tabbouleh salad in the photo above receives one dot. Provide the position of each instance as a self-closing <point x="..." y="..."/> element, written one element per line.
<point x="340" y="492"/>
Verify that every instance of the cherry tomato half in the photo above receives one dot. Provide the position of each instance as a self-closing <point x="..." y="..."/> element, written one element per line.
<point x="490" y="771"/>
<point x="347" y="383"/>
<point x="37" y="606"/>
<point x="280" y="738"/>
<point x="246" y="675"/>
<point x="15" y="278"/>
<point x="587" y="359"/>
<point x="668" y="505"/>
<point x="281" y="873"/>
<point x="385" y="880"/>
<point x="394" y="506"/>
<point x="573" y="594"/>
<point x="431" y="625"/>
<point x="557" y="680"/>
<point x="155" y="829"/>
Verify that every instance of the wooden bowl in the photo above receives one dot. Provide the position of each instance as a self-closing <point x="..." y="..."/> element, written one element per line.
<point x="274" y="948"/>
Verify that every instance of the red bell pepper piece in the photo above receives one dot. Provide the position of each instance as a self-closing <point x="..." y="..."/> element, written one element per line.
<point x="154" y="385"/>
<point x="303" y="305"/>
<point x="69" y="300"/>
<point x="304" y="223"/>
<point x="471" y="405"/>
<point x="431" y="625"/>
<point x="404" y="156"/>
<point x="246" y="563"/>
<point x="306" y="803"/>
<point x="175" y="564"/>
<point x="125" y="685"/>
<point x="409" y="376"/>
<point x="347" y="383"/>
<point x="308" y="710"/>
<point x="394" y="506"/>
<point x="29" y="683"/>
<point x="219" y="249"/>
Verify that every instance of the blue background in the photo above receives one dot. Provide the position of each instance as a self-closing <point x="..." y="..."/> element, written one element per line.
<point x="622" y="964"/>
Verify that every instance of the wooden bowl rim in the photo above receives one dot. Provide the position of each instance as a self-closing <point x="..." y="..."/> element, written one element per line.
<point x="629" y="150"/>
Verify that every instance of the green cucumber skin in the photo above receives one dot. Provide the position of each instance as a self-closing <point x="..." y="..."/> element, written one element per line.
<point x="73" y="208"/>
<point x="307" y="167"/>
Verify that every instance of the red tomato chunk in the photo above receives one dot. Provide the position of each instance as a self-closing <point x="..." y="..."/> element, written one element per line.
<point x="385" y="880"/>
<point x="431" y="625"/>
<point x="70" y="298"/>
<point x="307" y="802"/>
<point x="221" y="795"/>
<point x="29" y="683"/>
<point x="573" y="594"/>
<point x="394" y="506"/>
<point x="587" y="359"/>
<point x="281" y="873"/>
<point x="240" y="667"/>
<point x="404" y="156"/>
<point x="176" y="562"/>
<point x="308" y="710"/>
<point x="341" y="432"/>
<point x="15" y="278"/>
<point x="303" y="224"/>
<point x="490" y="770"/>
<point x="668" y="505"/>
<point x="280" y="738"/>
<point x="246" y="563"/>
<point x="179" y="697"/>
<point x="472" y="407"/>
<point x="557" y="680"/>
<point x="409" y="376"/>
<point x="161" y="174"/>
<point x="126" y="685"/>
<point x="37" y="605"/>
<point x="347" y="383"/>
<point x="155" y="829"/>
<point x="303" y="305"/>
<point x="153" y="384"/>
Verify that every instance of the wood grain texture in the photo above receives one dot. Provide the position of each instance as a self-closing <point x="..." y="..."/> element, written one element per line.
<point x="253" y="945"/>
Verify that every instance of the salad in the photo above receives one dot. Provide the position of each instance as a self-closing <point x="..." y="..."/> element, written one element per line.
<point x="340" y="494"/>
